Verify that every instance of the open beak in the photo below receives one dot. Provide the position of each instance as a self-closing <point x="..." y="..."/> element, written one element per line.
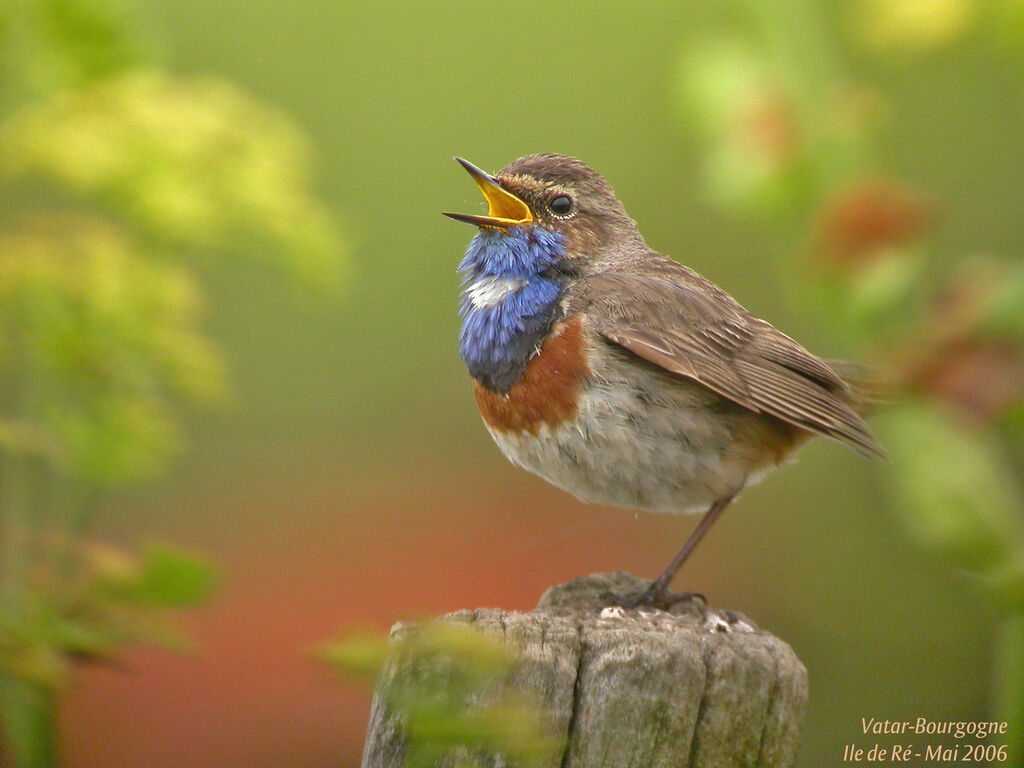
<point x="503" y="208"/>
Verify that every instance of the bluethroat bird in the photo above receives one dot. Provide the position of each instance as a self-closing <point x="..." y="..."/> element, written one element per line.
<point x="620" y="375"/>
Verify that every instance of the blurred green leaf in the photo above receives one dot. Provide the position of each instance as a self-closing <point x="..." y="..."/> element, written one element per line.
<point x="117" y="600"/>
<point x="360" y="656"/>
<point x="112" y="171"/>
<point x="728" y="94"/>
<point x="954" y="492"/>
<point x="73" y="637"/>
<point x="714" y="74"/>
<point x="1004" y="314"/>
<point x="452" y="690"/>
<point x="777" y="135"/>
<point x="54" y="45"/>
<point x="884" y="291"/>
<point x="101" y="344"/>
<point x="193" y="162"/>
<point x="174" y="577"/>
<point x="908" y="27"/>
<point x="28" y="711"/>
<point x="27" y="651"/>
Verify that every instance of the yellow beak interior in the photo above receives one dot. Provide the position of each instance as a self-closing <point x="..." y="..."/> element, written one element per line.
<point x="504" y="208"/>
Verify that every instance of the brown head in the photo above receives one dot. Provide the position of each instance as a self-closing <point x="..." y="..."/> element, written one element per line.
<point x="561" y="194"/>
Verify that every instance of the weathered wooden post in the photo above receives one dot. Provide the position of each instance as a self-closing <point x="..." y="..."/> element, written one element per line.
<point x="637" y="688"/>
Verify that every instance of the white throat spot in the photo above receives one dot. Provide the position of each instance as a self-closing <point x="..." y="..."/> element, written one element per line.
<point x="491" y="290"/>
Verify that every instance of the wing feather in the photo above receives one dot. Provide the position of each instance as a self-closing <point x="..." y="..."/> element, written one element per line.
<point x="677" y="320"/>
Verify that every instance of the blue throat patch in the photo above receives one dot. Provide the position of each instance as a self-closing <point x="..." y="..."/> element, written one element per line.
<point x="504" y="327"/>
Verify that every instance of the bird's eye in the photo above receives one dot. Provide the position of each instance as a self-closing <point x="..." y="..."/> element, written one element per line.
<point x="560" y="205"/>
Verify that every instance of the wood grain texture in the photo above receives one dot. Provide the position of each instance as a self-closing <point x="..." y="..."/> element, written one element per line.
<point x="636" y="688"/>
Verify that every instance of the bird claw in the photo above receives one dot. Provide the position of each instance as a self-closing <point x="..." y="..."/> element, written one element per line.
<point x="662" y="599"/>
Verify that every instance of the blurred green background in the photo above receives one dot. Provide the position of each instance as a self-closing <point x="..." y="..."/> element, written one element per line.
<point x="349" y="482"/>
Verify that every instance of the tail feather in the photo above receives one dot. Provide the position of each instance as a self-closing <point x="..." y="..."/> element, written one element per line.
<point x="871" y="387"/>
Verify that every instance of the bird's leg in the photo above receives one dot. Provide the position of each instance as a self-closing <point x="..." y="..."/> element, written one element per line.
<point x="657" y="594"/>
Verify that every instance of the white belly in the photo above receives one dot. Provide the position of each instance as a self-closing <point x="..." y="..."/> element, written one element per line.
<point x="668" y="456"/>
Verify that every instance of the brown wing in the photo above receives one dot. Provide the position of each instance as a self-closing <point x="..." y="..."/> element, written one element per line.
<point x="677" y="320"/>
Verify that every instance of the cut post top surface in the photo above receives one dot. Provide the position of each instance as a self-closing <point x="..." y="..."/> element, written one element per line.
<point x="692" y="686"/>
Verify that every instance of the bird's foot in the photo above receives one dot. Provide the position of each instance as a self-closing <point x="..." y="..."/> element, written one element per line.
<point x="692" y="604"/>
<point x="657" y="596"/>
